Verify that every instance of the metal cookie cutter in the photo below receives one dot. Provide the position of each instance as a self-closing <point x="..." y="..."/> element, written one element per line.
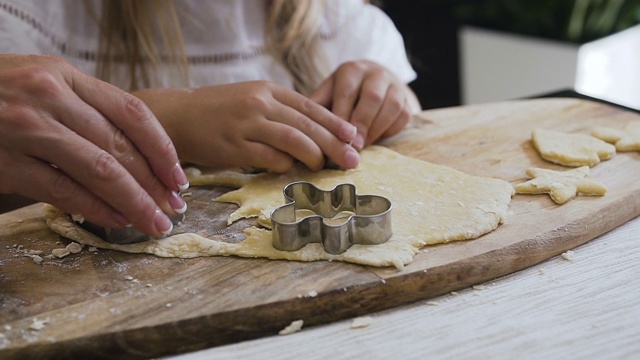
<point x="123" y="236"/>
<point x="336" y="218"/>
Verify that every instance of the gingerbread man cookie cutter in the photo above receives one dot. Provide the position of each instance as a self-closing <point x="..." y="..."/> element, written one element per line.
<point x="336" y="218"/>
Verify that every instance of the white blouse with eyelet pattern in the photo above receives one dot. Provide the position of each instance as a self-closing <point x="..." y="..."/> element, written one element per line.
<point x="224" y="39"/>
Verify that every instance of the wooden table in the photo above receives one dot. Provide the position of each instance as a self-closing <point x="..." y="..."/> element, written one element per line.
<point x="587" y="308"/>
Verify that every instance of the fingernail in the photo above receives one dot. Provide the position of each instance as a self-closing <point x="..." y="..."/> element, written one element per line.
<point x="348" y="132"/>
<point x="121" y="220"/>
<point x="162" y="223"/>
<point x="177" y="202"/>
<point x="358" y="143"/>
<point x="180" y="177"/>
<point x="351" y="158"/>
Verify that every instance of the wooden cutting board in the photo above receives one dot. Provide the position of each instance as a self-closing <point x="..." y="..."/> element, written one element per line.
<point x="110" y="304"/>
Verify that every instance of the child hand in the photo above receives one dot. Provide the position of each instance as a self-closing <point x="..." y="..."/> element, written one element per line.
<point x="252" y="124"/>
<point x="369" y="97"/>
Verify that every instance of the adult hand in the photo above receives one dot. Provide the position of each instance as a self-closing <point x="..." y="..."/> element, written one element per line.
<point x="370" y="97"/>
<point x="85" y="146"/>
<point x="251" y="124"/>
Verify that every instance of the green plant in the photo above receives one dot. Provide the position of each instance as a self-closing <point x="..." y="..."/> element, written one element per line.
<point x="592" y="19"/>
<point x="567" y="20"/>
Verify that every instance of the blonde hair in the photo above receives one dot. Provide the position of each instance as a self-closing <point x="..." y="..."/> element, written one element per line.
<point x="145" y="35"/>
<point x="130" y="33"/>
<point x="292" y="37"/>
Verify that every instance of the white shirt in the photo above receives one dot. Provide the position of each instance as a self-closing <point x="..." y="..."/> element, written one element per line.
<point x="224" y="39"/>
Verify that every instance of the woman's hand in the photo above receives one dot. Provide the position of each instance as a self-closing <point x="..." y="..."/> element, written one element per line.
<point x="85" y="146"/>
<point x="370" y="97"/>
<point x="251" y="124"/>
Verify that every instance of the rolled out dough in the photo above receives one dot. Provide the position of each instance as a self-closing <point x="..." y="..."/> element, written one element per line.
<point x="431" y="204"/>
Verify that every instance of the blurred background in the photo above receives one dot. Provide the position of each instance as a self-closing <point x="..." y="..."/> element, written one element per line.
<point x="475" y="51"/>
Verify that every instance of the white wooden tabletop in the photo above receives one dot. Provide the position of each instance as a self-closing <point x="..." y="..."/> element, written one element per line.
<point x="584" y="308"/>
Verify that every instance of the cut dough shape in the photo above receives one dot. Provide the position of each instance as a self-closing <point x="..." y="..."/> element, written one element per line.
<point x="431" y="204"/>
<point x="571" y="149"/>
<point x="562" y="186"/>
<point x="624" y="140"/>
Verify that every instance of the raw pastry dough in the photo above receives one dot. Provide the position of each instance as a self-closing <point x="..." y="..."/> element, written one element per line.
<point x="229" y="178"/>
<point x="562" y="186"/>
<point x="571" y="149"/>
<point x="431" y="204"/>
<point x="624" y="140"/>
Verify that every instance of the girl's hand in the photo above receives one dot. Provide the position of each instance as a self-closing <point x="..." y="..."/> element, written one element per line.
<point x="85" y="146"/>
<point x="251" y="124"/>
<point x="370" y="97"/>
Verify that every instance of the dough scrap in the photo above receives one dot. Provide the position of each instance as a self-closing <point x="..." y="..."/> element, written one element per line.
<point x="624" y="140"/>
<point x="571" y="149"/>
<point x="431" y="204"/>
<point x="562" y="186"/>
<point x="294" y="327"/>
